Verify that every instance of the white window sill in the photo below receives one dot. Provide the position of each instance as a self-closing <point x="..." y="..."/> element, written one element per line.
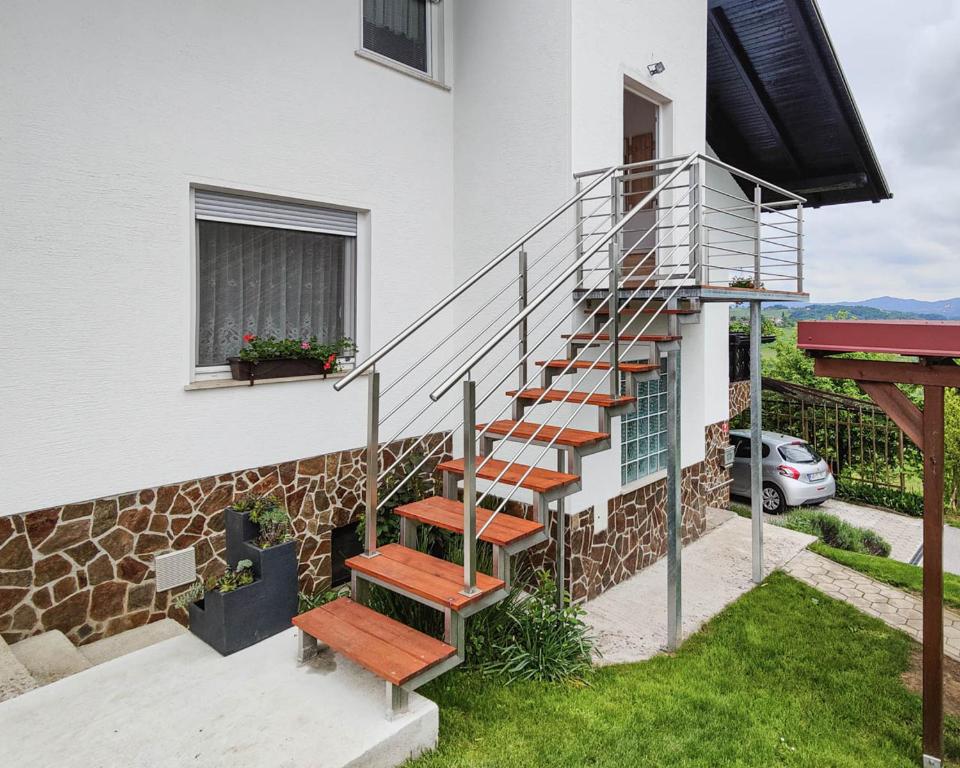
<point x="229" y="383"/>
<point x="397" y="66"/>
<point x="636" y="485"/>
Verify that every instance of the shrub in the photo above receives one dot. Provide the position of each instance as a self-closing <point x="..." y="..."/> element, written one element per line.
<point x="905" y="502"/>
<point x="307" y="602"/>
<point x="531" y="638"/>
<point x="834" y="532"/>
<point x="270" y="515"/>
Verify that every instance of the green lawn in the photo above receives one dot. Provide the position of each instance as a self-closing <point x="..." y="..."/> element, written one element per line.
<point x="783" y="677"/>
<point x="901" y="575"/>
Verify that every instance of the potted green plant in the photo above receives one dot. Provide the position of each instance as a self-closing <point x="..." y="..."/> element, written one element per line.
<point x="257" y="597"/>
<point x="273" y="358"/>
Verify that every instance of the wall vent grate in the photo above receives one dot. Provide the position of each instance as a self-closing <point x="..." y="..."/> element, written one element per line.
<point x="176" y="568"/>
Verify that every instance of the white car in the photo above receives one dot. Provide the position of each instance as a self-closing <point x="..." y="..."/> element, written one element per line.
<point x="793" y="472"/>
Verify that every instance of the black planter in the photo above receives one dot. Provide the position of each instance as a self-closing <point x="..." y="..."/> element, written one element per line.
<point x="236" y="620"/>
<point x="275" y="369"/>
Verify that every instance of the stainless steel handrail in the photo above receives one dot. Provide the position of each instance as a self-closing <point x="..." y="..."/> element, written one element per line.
<point x="560" y="280"/>
<point x="467" y="284"/>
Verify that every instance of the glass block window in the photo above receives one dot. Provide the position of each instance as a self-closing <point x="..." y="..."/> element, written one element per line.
<point x="643" y="433"/>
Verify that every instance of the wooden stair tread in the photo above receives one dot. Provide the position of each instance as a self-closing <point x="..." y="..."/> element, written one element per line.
<point x="574" y="397"/>
<point x="523" y="430"/>
<point x="622" y="337"/>
<point x="579" y="365"/>
<point x="390" y="650"/>
<point x="539" y="480"/>
<point x="423" y="575"/>
<point x="444" y="513"/>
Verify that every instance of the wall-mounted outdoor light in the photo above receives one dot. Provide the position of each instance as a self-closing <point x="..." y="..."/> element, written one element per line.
<point x="656" y="68"/>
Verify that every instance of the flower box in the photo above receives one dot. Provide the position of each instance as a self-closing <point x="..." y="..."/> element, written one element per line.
<point x="243" y="370"/>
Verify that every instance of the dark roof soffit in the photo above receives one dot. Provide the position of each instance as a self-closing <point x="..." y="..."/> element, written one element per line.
<point x="779" y="105"/>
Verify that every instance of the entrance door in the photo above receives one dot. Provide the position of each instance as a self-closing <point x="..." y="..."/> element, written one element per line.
<point x="640" y="121"/>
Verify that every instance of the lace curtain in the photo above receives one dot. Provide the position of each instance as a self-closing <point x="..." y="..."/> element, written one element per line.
<point x="397" y="29"/>
<point x="270" y="282"/>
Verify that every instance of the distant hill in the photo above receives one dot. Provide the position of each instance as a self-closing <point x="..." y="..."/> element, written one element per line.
<point x="855" y="311"/>
<point x="947" y="308"/>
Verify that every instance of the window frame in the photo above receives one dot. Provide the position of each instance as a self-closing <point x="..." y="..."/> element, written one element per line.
<point x="435" y="47"/>
<point x="208" y="373"/>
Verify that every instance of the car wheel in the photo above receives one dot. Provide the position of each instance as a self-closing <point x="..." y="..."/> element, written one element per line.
<point x="773" y="501"/>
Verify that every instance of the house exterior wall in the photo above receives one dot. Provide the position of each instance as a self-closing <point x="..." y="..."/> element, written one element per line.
<point x="120" y="110"/>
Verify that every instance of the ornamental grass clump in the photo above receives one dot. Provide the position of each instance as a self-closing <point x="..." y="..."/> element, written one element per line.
<point x="258" y="348"/>
<point x="834" y="532"/>
<point x="528" y="637"/>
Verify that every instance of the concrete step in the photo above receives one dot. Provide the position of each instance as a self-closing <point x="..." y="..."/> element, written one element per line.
<point x="49" y="657"/>
<point x="14" y="677"/>
<point x="132" y="640"/>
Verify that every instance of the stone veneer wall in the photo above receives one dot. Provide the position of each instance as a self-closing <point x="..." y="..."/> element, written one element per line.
<point x="739" y="397"/>
<point x="87" y="568"/>
<point x="636" y="532"/>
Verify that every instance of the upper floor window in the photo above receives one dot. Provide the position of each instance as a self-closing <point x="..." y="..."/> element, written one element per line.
<point x="400" y="30"/>
<point x="271" y="268"/>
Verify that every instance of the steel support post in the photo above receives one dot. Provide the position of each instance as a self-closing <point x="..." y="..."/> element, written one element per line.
<point x="756" y="442"/>
<point x="674" y="505"/>
<point x="561" y="534"/>
<point x="469" y="487"/>
<point x="373" y="463"/>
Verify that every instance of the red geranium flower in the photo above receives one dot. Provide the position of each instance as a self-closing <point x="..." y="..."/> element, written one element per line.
<point x="248" y="337"/>
<point x="326" y="366"/>
<point x="332" y="358"/>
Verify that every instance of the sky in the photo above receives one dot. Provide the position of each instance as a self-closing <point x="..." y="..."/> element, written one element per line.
<point x="902" y="61"/>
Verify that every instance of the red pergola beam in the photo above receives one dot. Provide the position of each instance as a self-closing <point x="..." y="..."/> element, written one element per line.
<point x="945" y="375"/>
<point x="911" y="338"/>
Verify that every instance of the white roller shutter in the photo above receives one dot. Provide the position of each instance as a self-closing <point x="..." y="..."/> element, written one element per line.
<point x="240" y="209"/>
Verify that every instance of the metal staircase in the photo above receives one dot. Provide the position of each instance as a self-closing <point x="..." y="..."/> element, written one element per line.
<point x="593" y="296"/>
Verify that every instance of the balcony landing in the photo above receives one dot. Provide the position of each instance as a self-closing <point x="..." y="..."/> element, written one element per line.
<point x="703" y="293"/>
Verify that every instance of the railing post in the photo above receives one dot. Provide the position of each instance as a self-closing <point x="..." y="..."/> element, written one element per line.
<point x="613" y="296"/>
<point x="757" y="211"/>
<point x="695" y="240"/>
<point x="373" y="462"/>
<point x="578" y="249"/>
<point x="523" y="325"/>
<point x="469" y="487"/>
<point x="799" y="247"/>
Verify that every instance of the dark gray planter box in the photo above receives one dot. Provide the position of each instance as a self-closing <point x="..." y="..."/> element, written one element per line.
<point x="236" y="620"/>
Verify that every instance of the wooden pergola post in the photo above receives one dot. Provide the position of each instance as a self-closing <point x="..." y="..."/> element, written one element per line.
<point x="936" y="347"/>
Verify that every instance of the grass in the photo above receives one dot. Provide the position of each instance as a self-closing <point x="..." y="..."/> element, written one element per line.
<point x="783" y="677"/>
<point x="901" y="575"/>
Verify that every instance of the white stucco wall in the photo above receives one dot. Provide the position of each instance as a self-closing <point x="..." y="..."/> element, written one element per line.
<point x="110" y="112"/>
<point x="119" y="109"/>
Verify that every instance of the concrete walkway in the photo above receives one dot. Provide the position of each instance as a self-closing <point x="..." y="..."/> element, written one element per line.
<point x="630" y="620"/>
<point x="179" y="703"/>
<point x="898" y="609"/>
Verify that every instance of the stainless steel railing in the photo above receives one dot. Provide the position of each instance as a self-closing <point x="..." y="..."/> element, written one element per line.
<point x="700" y="223"/>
